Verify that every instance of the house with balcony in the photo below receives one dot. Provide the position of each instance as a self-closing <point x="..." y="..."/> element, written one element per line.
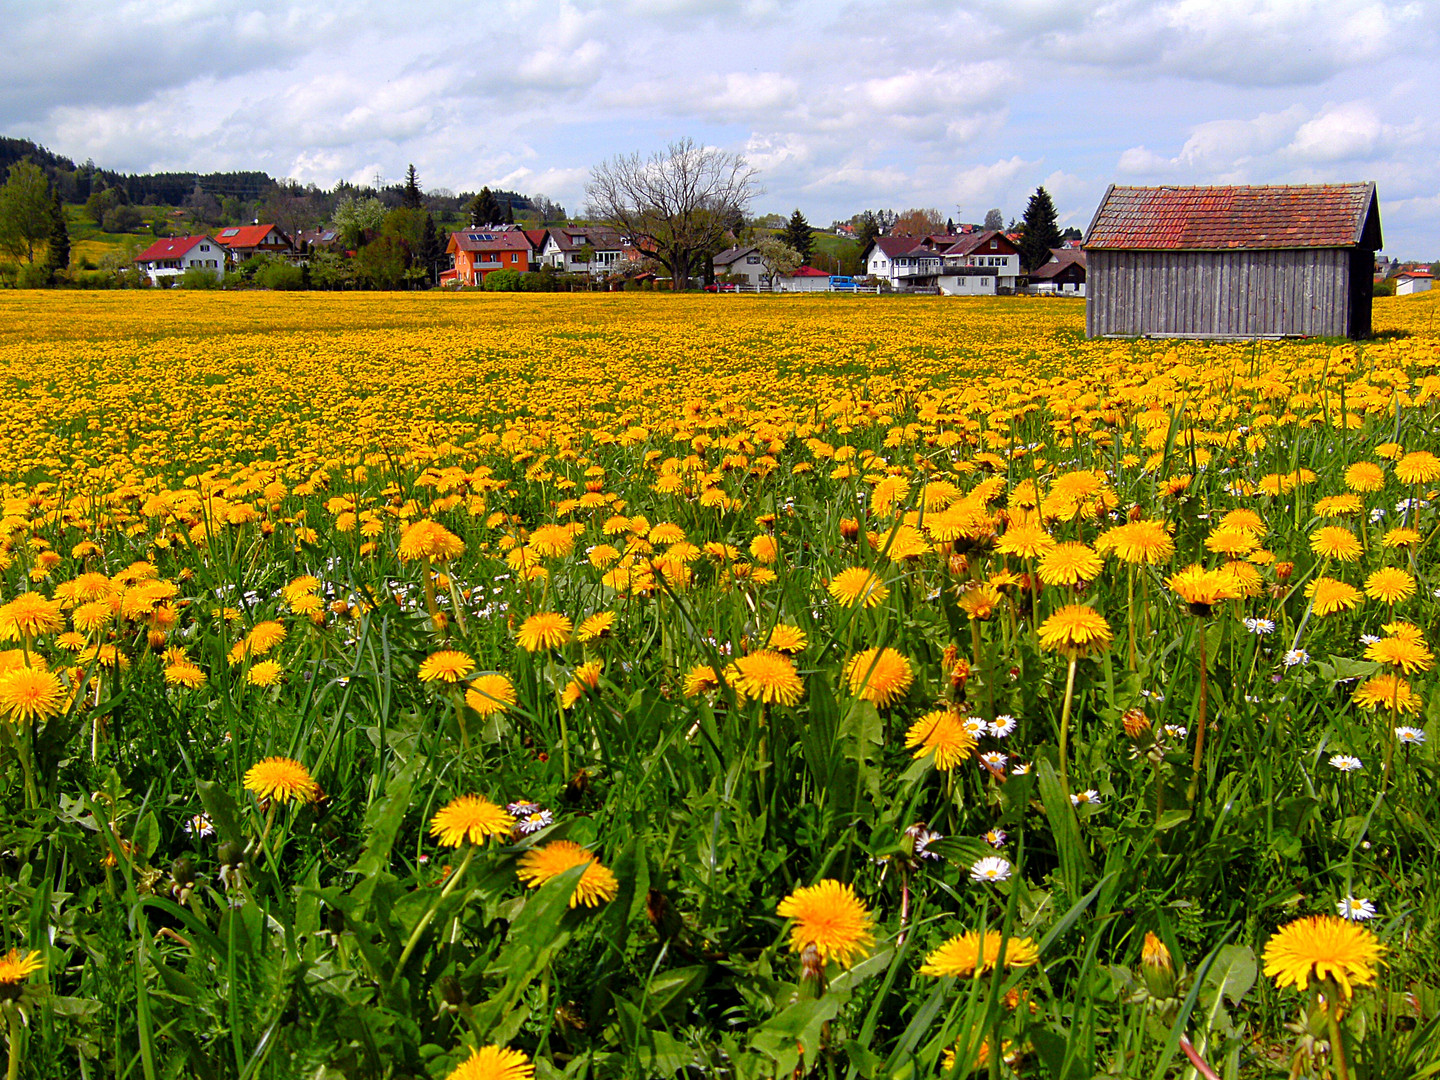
<point x="480" y="252"/>
<point x="597" y="251"/>
<point x="742" y="265"/>
<point x="167" y="259"/>
<point x="244" y="241"/>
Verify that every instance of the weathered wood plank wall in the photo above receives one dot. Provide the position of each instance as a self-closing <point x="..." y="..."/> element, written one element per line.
<point x="1219" y="293"/>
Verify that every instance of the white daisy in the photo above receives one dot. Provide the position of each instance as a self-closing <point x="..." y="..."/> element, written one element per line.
<point x="1410" y="736"/>
<point x="994" y="759"/>
<point x="533" y="823"/>
<point x="1088" y="796"/>
<point x="1020" y="768"/>
<point x="1346" y="762"/>
<point x="1297" y="657"/>
<point x="199" y="825"/>
<point x="976" y="726"/>
<point x="995" y="838"/>
<point x="991" y="868"/>
<point x="1004" y="725"/>
<point x="1356" y="908"/>
<point x="1260" y="626"/>
<point x="1177" y="731"/>
<point x="1368" y="639"/>
<point x="923" y="839"/>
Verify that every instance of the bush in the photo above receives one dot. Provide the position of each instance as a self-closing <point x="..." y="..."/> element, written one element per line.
<point x="122" y="219"/>
<point x="280" y="276"/>
<point x="1385" y="288"/>
<point x="32" y="276"/>
<point x="198" y="277"/>
<point x="503" y="281"/>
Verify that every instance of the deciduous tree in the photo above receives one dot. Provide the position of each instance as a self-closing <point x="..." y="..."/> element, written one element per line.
<point x="994" y="219"/>
<point x="25" y="213"/>
<point x="920" y="221"/>
<point x="353" y="218"/>
<point x="677" y="205"/>
<point x="778" y="256"/>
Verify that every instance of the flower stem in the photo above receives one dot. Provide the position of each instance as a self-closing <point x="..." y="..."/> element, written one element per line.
<point x="12" y="1068"/>
<point x="1200" y="725"/>
<point x="430" y="912"/>
<point x="1337" y="1048"/>
<point x="1065" y="726"/>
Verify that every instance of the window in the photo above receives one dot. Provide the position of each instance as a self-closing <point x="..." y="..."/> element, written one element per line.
<point x="752" y="260"/>
<point x="994" y="245"/>
<point x="984" y="282"/>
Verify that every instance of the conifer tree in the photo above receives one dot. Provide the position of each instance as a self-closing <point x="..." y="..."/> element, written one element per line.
<point x="58" y="256"/>
<point x="1038" y="230"/>
<point x="799" y="236"/>
<point x="410" y="195"/>
<point x="431" y="250"/>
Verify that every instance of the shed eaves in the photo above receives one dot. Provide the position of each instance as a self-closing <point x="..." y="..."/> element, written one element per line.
<point x="1225" y="218"/>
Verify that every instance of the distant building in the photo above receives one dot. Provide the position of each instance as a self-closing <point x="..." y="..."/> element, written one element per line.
<point x="1063" y="275"/>
<point x="565" y="249"/>
<point x="1232" y="262"/>
<point x="955" y="264"/>
<point x="325" y="238"/>
<point x="480" y="252"/>
<point x="244" y="241"/>
<point x="168" y="259"/>
<point x="1408" y="282"/>
<point x="743" y="262"/>
<point x="804" y="279"/>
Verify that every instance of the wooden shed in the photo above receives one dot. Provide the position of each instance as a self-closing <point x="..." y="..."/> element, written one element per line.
<point x="1232" y="262"/>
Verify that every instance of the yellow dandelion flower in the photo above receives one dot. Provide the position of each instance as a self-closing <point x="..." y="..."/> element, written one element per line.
<point x="879" y="676"/>
<point x="429" y="539"/>
<point x="1202" y="589"/>
<point x="1418" y="467"/>
<point x="1138" y="542"/>
<point x="1407" y="652"/>
<point x="1327" y="596"/>
<point x="30" y="694"/>
<point x="1334" y="542"/>
<point x="1365" y="476"/>
<point x="281" y="779"/>
<point x="1075" y="630"/>
<point x="1069" y="564"/>
<point x="447" y="665"/>
<point x="30" y="615"/>
<point x="490" y="693"/>
<point x="184" y="674"/>
<point x="1401" y="536"/>
<point x="597" y="885"/>
<point x="493" y="1063"/>
<point x="858" y="585"/>
<point x="974" y="953"/>
<point x="265" y="673"/>
<point x="469" y="818"/>
<point x="1323" y="947"/>
<point x="543" y="630"/>
<point x="980" y="601"/>
<point x="700" y="679"/>
<point x="786" y="638"/>
<point x="1025" y="541"/>
<point x="767" y="676"/>
<point x="943" y="733"/>
<point x="831" y="918"/>
<point x="1390" y="585"/>
<point x="1388" y="692"/>
<point x="16" y="967"/>
<point x="596" y="626"/>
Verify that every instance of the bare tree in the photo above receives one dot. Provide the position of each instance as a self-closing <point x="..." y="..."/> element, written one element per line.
<point x="677" y="205"/>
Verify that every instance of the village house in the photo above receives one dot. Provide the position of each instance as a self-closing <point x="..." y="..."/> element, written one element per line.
<point x="244" y="241"/>
<point x="1232" y="262"/>
<point x="1063" y="275"/>
<point x="167" y="259"/>
<point x="586" y="250"/>
<point x="978" y="263"/>
<point x="989" y="249"/>
<point x="742" y="265"/>
<point x="1408" y="282"/>
<point x="325" y="238"/>
<point x="480" y="252"/>
<point x="804" y="279"/>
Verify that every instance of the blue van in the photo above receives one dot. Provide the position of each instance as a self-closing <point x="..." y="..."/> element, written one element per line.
<point x="842" y="283"/>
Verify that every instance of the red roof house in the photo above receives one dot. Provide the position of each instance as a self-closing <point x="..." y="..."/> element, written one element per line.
<point x="172" y="256"/>
<point x="243" y="241"/>
<point x="479" y="252"/>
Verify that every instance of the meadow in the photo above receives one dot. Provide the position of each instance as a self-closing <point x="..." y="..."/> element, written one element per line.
<point x="487" y="686"/>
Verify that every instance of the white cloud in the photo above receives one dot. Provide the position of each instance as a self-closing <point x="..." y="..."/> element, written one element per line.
<point x="1343" y="133"/>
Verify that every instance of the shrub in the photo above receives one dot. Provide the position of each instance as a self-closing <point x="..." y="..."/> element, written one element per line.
<point x="199" y="277"/>
<point x="1385" y="288"/>
<point x="280" y="276"/>
<point x="122" y="219"/>
<point x="32" y="276"/>
<point x="503" y="281"/>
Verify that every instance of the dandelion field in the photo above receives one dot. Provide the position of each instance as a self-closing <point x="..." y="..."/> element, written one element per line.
<point x="629" y="685"/>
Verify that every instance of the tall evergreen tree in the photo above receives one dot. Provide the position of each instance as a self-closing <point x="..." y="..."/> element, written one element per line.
<point x="509" y="212"/>
<point x="431" y="250"/>
<point x="484" y="209"/>
<point x="58" y="256"/>
<point x="799" y="236"/>
<point x="867" y="229"/>
<point x="1038" y="230"/>
<point x="410" y="195"/>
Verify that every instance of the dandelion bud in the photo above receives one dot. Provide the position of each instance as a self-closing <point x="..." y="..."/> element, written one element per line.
<point x="1136" y="724"/>
<point x="812" y="964"/>
<point x="1283" y="570"/>
<point x="1157" y="968"/>
<point x="1136" y="512"/>
<point x="959" y="566"/>
<point x="950" y="655"/>
<point x="849" y="528"/>
<point x="959" y="675"/>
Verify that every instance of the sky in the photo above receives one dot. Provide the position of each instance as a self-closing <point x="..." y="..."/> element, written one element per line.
<point x="840" y="107"/>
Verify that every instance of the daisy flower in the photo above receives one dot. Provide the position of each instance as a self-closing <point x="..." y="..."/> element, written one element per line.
<point x="990" y="869"/>
<point x="1410" y="736"/>
<point x="1346" y="762"/>
<point x="1356" y="909"/>
<point x="1004" y="725"/>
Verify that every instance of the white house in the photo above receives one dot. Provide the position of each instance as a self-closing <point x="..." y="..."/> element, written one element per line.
<point x="879" y="257"/>
<point x="1412" y="281"/>
<point x="565" y="249"/>
<point x="742" y="262"/>
<point x="169" y="258"/>
<point x="989" y="250"/>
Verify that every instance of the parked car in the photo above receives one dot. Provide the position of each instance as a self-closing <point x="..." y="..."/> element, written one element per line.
<point x="720" y="286"/>
<point x="843" y="283"/>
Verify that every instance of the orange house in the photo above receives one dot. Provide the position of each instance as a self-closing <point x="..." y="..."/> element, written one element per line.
<point x="478" y="252"/>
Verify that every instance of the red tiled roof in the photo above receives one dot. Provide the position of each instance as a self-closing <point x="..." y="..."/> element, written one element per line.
<point x="536" y="237"/>
<point x="973" y="242"/>
<point x="1414" y="273"/>
<point x="170" y="248"/>
<point x="488" y="240"/>
<point x="809" y="271"/>
<point x="245" y="236"/>
<point x="1221" y="218"/>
